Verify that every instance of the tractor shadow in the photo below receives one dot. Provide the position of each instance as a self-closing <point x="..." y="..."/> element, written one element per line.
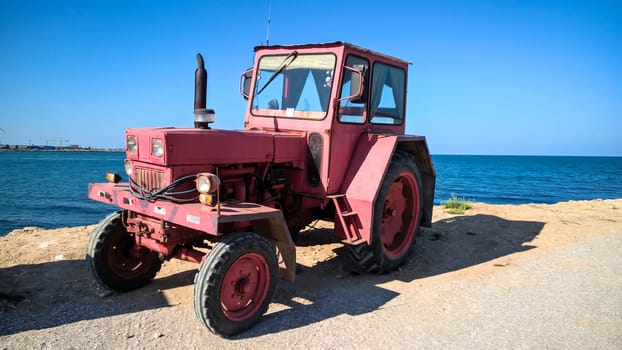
<point x="332" y="287"/>
<point x="39" y="296"/>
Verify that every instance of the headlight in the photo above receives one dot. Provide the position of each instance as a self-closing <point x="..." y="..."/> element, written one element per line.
<point x="207" y="183"/>
<point x="131" y="144"/>
<point x="157" y="147"/>
<point x="128" y="167"/>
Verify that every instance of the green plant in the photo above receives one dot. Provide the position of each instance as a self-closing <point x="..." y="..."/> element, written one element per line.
<point x="455" y="205"/>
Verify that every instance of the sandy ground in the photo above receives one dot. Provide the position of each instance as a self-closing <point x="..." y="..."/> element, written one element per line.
<point x="502" y="276"/>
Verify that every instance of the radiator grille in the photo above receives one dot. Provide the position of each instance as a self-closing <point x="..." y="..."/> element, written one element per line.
<point x="148" y="179"/>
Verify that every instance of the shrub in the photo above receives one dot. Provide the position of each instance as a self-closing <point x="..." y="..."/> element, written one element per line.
<point x="455" y="205"/>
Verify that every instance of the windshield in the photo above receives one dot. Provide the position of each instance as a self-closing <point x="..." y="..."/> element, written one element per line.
<point x="294" y="85"/>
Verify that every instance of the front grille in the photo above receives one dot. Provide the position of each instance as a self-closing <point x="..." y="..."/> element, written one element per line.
<point x="150" y="180"/>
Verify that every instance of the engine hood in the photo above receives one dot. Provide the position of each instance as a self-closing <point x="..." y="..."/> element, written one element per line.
<point x="186" y="146"/>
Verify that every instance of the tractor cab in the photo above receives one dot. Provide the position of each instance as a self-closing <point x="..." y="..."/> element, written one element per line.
<point x="348" y="84"/>
<point x="334" y="93"/>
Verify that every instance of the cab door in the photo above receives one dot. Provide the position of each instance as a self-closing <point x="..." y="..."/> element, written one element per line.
<point x="350" y="123"/>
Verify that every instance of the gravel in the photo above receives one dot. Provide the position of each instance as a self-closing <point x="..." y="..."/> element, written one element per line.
<point x="519" y="277"/>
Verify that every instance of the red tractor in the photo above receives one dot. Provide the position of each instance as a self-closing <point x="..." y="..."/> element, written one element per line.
<point x="323" y="138"/>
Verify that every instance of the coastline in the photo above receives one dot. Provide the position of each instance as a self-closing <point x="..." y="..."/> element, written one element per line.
<point x="64" y="150"/>
<point x="438" y="212"/>
<point x="526" y="276"/>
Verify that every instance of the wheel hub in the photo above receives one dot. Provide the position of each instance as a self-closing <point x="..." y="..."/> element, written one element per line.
<point x="244" y="287"/>
<point x="399" y="215"/>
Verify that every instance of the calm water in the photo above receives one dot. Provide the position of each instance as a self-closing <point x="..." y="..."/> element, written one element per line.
<point x="527" y="179"/>
<point x="49" y="189"/>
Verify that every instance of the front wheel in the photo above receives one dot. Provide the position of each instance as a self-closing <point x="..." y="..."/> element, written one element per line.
<point x="114" y="259"/>
<point x="396" y="218"/>
<point x="235" y="283"/>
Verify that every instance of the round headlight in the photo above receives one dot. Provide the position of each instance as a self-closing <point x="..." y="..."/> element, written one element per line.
<point x="157" y="147"/>
<point x="207" y="183"/>
<point x="128" y="167"/>
<point x="131" y="144"/>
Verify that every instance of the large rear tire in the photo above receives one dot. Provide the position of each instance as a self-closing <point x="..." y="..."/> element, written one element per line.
<point x="396" y="218"/>
<point x="114" y="260"/>
<point x="235" y="283"/>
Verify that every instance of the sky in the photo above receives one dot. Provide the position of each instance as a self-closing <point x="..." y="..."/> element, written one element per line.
<point x="487" y="77"/>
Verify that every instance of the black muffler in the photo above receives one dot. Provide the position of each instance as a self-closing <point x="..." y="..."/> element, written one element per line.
<point x="202" y="116"/>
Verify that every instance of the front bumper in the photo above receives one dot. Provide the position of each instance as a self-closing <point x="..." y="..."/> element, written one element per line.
<point x="191" y="215"/>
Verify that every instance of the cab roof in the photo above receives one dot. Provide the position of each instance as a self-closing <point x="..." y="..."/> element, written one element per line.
<point x="329" y="45"/>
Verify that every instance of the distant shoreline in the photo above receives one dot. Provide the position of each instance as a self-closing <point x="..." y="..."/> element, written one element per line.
<point x="63" y="150"/>
<point x="443" y="155"/>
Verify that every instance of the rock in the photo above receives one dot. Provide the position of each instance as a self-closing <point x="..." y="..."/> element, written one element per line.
<point x="105" y="293"/>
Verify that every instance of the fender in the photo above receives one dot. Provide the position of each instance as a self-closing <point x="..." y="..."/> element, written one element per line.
<point x="364" y="176"/>
<point x="361" y="184"/>
<point x="275" y="229"/>
<point x="418" y="147"/>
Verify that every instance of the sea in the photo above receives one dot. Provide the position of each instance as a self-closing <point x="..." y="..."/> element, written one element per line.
<point x="49" y="189"/>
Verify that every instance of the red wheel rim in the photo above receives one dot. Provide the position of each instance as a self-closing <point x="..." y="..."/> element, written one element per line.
<point x="244" y="287"/>
<point x="124" y="258"/>
<point x="400" y="215"/>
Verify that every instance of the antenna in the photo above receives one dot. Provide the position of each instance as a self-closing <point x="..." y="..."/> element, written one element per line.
<point x="268" y="31"/>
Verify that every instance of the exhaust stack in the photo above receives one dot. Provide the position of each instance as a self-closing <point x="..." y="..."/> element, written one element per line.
<point x="202" y="116"/>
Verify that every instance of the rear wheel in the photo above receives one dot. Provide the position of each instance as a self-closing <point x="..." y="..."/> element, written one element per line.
<point x="396" y="220"/>
<point x="235" y="283"/>
<point x="114" y="259"/>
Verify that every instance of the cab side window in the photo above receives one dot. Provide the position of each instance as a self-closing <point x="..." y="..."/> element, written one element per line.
<point x="387" y="94"/>
<point x="353" y="111"/>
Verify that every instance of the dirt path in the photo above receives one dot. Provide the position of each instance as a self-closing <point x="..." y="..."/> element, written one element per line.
<point x="528" y="276"/>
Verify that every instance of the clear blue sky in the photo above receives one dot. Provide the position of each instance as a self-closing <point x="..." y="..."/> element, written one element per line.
<point x="488" y="77"/>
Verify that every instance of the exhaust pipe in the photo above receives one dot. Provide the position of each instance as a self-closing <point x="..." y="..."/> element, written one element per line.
<point x="202" y="116"/>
